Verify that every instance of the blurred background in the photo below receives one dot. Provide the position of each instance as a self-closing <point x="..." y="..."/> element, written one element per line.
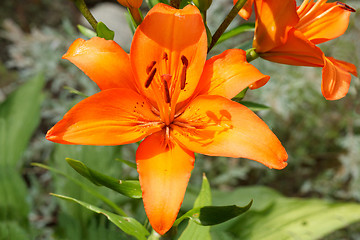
<point x="37" y="87"/>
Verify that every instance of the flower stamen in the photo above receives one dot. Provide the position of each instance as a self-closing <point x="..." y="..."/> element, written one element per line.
<point x="185" y="63"/>
<point x="166" y="87"/>
<point x="150" y="77"/>
<point x="150" y="67"/>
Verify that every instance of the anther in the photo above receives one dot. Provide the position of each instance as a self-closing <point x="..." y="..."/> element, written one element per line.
<point x="166" y="89"/>
<point x="150" y="67"/>
<point x="345" y="7"/>
<point x="165" y="56"/>
<point x="185" y="63"/>
<point x="150" y="78"/>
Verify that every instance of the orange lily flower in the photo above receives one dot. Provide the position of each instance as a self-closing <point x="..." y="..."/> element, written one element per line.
<point x="166" y="92"/>
<point x="287" y="34"/>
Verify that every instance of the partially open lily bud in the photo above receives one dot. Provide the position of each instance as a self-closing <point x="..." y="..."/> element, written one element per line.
<point x="130" y="3"/>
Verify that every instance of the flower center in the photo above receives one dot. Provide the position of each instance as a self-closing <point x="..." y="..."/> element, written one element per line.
<point x="166" y="81"/>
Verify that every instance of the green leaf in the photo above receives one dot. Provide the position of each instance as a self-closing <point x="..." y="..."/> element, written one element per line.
<point x="129" y="163"/>
<point x="246" y="27"/>
<point x="126" y="224"/>
<point x="128" y="188"/>
<point x="240" y="95"/>
<point x="86" y="31"/>
<point x="212" y="215"/>
<point x="195" y="231"/>
<point x="104" y="32"/>
<point x="85" y="187"/>
<point x="12" y="230"/>
<point x="293" y="218"/>
<point x="130" y="22"/>
<point x="252" y="105"/>
<point x="74" y="91"/>
<point x="152" y="3"/>
<point x="19" y="117"/>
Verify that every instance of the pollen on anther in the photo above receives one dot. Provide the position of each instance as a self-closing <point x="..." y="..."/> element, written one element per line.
<point x="150" y="78"/>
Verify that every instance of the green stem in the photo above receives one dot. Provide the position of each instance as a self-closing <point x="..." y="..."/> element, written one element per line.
<point x="81" y="5"/>
<point x="135" y="13"/>
<point x="251" y="55"/>
<point x="175" y="3"/>
<point x="234" y="11"/>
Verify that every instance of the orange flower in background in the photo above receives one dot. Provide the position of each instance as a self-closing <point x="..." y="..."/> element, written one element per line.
<point x="287" y="34"/>
<point x="246" y="10"/>
<point x="168" y="93"/>
<point x="131" y="3"/>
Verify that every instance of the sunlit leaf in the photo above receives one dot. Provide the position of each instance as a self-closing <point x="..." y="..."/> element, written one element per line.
<point x="86" y="31"/>
<point x="127" y="224"/>
<point x="104" y="32"/>
<point x="296" y="219"/>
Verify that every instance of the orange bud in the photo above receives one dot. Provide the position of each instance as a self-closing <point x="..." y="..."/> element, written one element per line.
<point x="130" y="3"/>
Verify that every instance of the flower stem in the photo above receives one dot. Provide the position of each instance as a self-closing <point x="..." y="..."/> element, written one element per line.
<point x="175" y="3"/>
<point x="251" y="54"/>
<point x="81" y="5"/>
<point x="135" y="13"/>
<point x="234" y="11"/>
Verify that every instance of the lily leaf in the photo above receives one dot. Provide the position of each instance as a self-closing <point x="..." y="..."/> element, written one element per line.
<point x="246" y="27"/>
<point x="85" y="187"/>
<point x="296" y="219"/>
<point x="240" y="95"/>
<point x="252" y="105"/>
<point x="129" y="163"/>
<point x="212" y="215"/>
<point x="195" y="231"/>
<point x="127" y="224"/>
<point x="130" y="188"/>
<point x="104" y="32"/>
<point x="86" y="31"/>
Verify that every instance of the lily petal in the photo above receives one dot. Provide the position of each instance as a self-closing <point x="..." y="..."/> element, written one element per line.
<point x="164" y="172"/>
<point x="331" y="21"/>
<point x="111" y="117"/>
<point x="229" y="73"/>
<point x="104" y="61"/>
<point x="181" y="33"/>
<point x="246" y="11"/>
<point x="297" y="51"/>
<point x="274" y="19"/>
<point x="336" y="78"/>
<point x="217" y="126"/>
